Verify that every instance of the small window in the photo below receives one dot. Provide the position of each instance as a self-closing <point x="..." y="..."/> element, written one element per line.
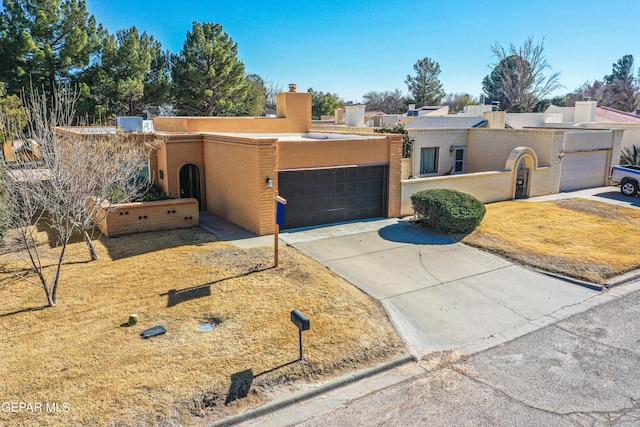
<point x="429" y="160"/>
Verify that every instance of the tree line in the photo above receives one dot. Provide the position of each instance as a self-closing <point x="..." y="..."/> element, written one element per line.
<point x="521" y="80"/>
<point x="47" y="43"/>
<point x="44" y="43"/>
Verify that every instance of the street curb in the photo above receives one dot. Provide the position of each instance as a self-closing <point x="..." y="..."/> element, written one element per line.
<point x="611" y="283"/>
<point x="622" y="279"/>
<point x="301" y="396"/>
<point x="588" y="285"/>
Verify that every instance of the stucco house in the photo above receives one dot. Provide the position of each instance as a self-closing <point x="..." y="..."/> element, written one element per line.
<point x="235" y="166"/>
<point x="493" y="163"/>
<point x="586" y="114"/>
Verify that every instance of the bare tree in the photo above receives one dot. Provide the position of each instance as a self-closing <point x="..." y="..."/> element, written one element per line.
<point x="518" y="80"/>
<point x="457" y="101"/>
<point x="270" y="101"/>
<point x="30" y="199"/>
<point x="70" y="183"/>
<point x="593" y="91"/>
<point x="93" y="172"/>
<point x="390" y="102"/>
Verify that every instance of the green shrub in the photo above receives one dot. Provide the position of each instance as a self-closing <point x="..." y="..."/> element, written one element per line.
<point x="448" y="211"/>
<point x="153" y="194"/>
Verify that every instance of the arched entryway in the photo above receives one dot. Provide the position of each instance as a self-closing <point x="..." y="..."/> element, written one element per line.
<point x="190" y="182"/>
<point x="522" y="162"/>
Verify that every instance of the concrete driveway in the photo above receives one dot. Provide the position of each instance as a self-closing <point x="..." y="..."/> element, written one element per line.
<point x="438" y="293"/>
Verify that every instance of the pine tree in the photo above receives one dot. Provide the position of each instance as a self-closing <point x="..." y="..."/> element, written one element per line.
<point x="425" y="87"/>
<point x="42" y="42"/>
<point x="208" y="77"/>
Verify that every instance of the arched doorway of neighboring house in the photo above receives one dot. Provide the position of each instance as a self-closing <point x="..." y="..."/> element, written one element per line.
<point x="522" y="179"/>
<point x="190" y="182"/>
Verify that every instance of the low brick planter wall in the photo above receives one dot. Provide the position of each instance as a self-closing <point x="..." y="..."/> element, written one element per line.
<point x="136" y="217"/>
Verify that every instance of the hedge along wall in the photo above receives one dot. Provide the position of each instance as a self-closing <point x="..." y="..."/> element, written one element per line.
<point x="136" y="217"/>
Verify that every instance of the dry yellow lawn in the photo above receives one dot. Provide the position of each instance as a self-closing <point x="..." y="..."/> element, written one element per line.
<point x="98" y="372"/>
<point x="578" y="238"/>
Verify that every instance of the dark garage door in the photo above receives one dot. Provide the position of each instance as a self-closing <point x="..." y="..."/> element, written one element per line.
<point x="324" y="196"/>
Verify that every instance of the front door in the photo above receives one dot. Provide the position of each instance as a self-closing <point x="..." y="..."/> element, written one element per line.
<point x="522" y="181"/>
<point x="190" y="182"/>
<point x="458" y="160"/>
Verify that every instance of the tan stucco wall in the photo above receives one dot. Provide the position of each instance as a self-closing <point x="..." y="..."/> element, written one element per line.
<point x="332" y="152"/>
<point x="485" y="186"/>
<point x="293" y="115"/>
<point x="444" y="139"/>
<point x="488" y="149"/>
<point x="176" y="151"/>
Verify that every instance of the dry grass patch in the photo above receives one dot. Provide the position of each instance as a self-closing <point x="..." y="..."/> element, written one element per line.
<point x="578" y="238"/>
<point x="78" y="352"/>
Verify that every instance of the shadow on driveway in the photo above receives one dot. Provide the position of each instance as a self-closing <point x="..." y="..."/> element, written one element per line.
<point x="619" y="197"/>
<point x="404" y="232"/>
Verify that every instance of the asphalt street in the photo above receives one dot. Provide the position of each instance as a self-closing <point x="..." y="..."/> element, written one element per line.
<point x="496" y="344"/>
<point x="581" y="371"/>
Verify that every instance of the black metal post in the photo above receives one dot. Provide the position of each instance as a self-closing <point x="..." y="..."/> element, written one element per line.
<point x="301" y="354"/>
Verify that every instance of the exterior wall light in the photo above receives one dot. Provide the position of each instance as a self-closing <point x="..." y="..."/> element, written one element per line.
<point x="269" y="182"/>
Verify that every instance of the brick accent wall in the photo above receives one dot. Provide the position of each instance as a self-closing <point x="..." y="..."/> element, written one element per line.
<point x="237" y="170"/>
<point x="395" y="175"/>
<point x="485" y="186"/>
<point x="137" y="217"/>
<point x="488" y="149"/>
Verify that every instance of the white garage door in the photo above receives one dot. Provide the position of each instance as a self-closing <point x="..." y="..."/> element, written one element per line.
<point x="583" y="170"/>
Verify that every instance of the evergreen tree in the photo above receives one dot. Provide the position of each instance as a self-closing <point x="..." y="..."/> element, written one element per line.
<point x="43" y="42"/>
<point x="208" y="77"/>
<point x="324" y="104"/>
<point x="621" y="90"/>
<point x="254" y="102"/>
<point x="425" y="87"/>
<point x="132" y="75"/>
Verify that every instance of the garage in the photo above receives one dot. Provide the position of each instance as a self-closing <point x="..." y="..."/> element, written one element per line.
<point x="585" y="169"/>
<point x="325" y="196"/>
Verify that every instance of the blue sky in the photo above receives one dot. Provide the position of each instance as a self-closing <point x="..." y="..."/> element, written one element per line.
<point x="353" y="47"/>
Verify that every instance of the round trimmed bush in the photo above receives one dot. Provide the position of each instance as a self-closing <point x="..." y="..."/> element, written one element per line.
<point x="448" y="211"/>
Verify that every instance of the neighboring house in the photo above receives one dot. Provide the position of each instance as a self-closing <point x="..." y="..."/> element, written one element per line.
<point x="19" y="150"/>
<point x="372" y="118"/>
<point x="427" y="110"/>
<point x="586" y="114"/>
<point x="500" y="164"/>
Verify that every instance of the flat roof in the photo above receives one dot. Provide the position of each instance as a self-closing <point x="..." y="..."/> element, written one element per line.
<point x="299" y="137"/>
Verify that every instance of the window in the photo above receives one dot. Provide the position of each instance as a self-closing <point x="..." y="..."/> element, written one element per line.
<point x="145" y="172"/>
<point x="458" y="160"/>
<point x="429" y="160"/>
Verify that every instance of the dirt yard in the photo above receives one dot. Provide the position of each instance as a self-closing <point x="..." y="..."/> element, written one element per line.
<point x="80" y="364"/>
<point x="578" y="238"/>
